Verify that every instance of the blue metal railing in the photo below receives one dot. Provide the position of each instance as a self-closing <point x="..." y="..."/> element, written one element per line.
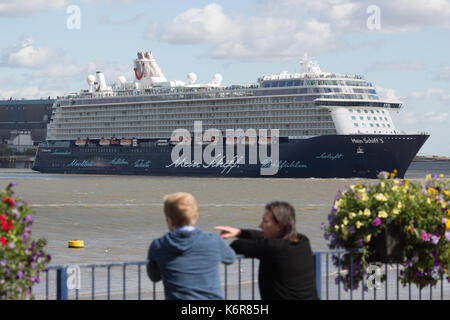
<point x="125" y="281"/>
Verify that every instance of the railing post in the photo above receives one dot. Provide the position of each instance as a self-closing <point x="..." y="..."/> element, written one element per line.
<point x="318" y="273"/>
<point x="62" y="292"/>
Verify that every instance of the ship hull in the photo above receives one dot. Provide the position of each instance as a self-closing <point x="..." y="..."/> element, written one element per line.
<point x="328" y="156"/>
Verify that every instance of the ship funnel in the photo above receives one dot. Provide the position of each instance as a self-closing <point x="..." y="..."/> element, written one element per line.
<point x="147" y="69"/>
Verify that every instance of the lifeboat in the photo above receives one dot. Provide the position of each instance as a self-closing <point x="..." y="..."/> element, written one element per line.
<point x="176" y="140"/>
<point x="105" y="142"/>
<point x="249" y="140"/>
<point x="115" y="142"/>
<point x="231" y="140"/>
<point x="125" y="142"/>
<point x="80" y="142"/>
<point x="205" y="139"/>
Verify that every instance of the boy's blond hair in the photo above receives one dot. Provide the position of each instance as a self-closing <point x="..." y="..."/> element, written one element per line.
<point x="182" y="208"/>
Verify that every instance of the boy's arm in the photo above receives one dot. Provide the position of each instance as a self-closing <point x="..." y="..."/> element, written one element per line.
<point x="228" y="255"/>
<point x="153" y="271"/>
<point x="152" y="267"/>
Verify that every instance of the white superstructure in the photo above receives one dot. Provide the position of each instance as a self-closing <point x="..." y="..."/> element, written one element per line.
<point x="300" y="105"/>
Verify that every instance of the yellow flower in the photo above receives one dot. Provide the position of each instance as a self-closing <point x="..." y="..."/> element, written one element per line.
<point x="447" y="225"/>
<point x="428" y="177"/>
<point x="382" y="184"/>
<point x="364" y="197"/>
<point x="360" y="213"/>
<point x="336" y="227"/>
<point x="367" y="212"/>
<point x="352" y="215"/>
<point x="358" y="224"/>
<point x="395" y="211"/>
<point x="382" y="214"/>
<point x="344" y="232"/>
<point x="441" y="176"/>
<point x="443" y="204"/>
<point x="396" y="182"/>
<point x="359" y="186"/>
<point x="338" y="203"/>
<point x="395" y="188"/>
<point x="380" y="197"/>
<point x="428" y="200"/>
<point x="399" y="205"/>
<point x="367" y="238"/>
<point x="345" y="221"/>
<point x="406" y="182"/>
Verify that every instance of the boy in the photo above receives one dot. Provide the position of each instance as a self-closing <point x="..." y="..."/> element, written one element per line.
<point x="186" y="258"/>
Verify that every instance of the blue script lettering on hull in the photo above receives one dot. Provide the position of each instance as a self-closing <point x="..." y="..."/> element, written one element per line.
<point x="330" y="156"/>
<point x="76" y="163"/>
<point x="284" y="164"/>
<point x="142" y="164"/>
<point x="118" y="161"/>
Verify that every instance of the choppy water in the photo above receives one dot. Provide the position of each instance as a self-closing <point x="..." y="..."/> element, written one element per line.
<point x="118" y="216"/>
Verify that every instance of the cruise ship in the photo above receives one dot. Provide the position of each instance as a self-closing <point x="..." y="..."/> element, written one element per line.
<point x="287" y="125"/>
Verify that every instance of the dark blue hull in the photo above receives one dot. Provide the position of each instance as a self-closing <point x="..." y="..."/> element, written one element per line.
<point x="331" y="156"/>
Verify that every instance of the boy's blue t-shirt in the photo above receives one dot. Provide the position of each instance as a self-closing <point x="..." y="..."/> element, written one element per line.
<point x="188" y="262"/>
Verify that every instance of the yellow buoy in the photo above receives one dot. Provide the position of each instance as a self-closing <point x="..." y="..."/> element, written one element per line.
<point x="76" y="244"/>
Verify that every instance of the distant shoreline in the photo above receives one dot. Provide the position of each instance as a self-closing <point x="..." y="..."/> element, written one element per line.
<point x="431" y="158"/>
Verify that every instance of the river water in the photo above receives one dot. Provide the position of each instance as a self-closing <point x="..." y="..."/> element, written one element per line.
<point x="118" y="216"/>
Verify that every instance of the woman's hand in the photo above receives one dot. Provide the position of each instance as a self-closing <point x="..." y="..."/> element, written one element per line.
<point x="227" y="232"/>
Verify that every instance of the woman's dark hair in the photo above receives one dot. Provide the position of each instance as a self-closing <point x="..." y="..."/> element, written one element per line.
<point x="284" y="215"/>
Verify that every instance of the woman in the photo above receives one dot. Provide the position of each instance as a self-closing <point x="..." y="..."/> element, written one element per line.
<point x="286" y="269"/>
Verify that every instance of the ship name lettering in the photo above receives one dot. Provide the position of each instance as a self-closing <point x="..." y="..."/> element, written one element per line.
<point x="330" y="156"/>
<point x="117" y="161"/>
<point x="142" y="164"/>
<point x="76" y="163"/>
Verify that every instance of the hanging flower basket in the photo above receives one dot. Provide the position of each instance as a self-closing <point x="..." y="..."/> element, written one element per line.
<point x="393" y="221"/>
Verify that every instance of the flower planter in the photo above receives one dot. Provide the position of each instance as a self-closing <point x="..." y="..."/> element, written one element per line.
<point x="388" y="246"/>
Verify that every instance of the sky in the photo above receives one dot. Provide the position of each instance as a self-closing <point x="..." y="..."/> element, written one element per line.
<point x="48" y="47"/>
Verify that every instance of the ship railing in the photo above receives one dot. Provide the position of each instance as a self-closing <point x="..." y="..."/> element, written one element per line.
<point x="129" y="280"/>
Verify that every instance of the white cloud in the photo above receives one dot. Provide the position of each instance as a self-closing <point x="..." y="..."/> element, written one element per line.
<point x="436" y="116"/>
<point x="239" y="37"/>
<point x="351" y="15"/>
<point x="387" y="93"/>
<point x="443" y="74"/>
<point x="24" y="55"/>
<point x="32" y="92"/>
<point x="198" y="25"/>
<point x="18" y="8"/>
<point x="432" y="93"/>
